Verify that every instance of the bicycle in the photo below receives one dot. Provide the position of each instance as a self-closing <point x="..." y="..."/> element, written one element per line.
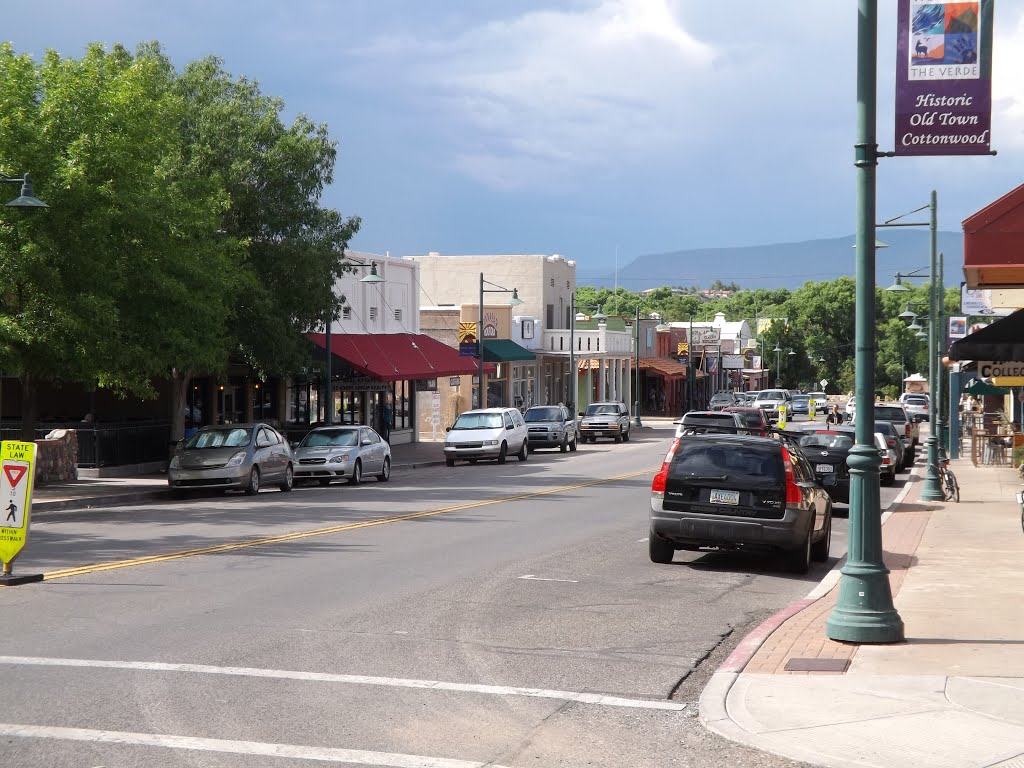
<point x="950" y="487"/>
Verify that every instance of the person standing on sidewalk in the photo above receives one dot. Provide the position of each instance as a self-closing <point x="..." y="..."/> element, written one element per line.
<point x="385" y="421"/>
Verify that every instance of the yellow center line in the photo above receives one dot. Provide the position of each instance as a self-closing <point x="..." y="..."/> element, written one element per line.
<point x="235" y="545"/>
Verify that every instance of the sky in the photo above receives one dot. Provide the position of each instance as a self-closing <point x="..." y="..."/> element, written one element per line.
<point x="597" y="129"/>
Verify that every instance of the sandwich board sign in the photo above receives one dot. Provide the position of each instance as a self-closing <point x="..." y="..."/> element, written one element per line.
<point x="17" y="461"/>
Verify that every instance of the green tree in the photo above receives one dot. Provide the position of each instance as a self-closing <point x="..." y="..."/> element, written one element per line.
<point x="275" y="175"/>
<point x="102" y="288"/>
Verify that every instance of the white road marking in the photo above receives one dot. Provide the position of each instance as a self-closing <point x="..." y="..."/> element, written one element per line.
<point x="325" y="677"/>
<point x="641" y="541"/>
<point x="297" y="752"/>
<point x="531" y="577"/>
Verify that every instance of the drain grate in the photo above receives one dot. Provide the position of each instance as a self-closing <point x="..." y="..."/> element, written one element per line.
<point x="817" y="665"/>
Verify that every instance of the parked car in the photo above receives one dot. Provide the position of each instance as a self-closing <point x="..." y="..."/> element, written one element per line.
<point x="851" y="408"/>
<point x="820" y="401"/>
<point x="721" y="400"/>
<point x="699" y="422"/>
<point x="342" y="453"/>
<point x="894" y="441"/>
<point x="887" y="472"/>
<point x="486" y="433"/>
<point x="770" y="400"/>
<point x="605" y="420"/>
<point x="908" y="428"/>
<point x="827" y="450"/>
<point x="801" y="404"/>
<point x="233" y="456"/>
<point x="753" y="419"/>
<point x="739" y="492"/>
<point x="551" y="426"/>
<point x="916" y="405"/>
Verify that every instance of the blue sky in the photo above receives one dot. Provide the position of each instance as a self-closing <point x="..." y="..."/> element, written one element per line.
<point x="581" y="127"/>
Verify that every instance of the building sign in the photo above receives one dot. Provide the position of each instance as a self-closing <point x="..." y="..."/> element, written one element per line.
<point x="467" y="340"/>
<point x="977" y="301"/>
<point x="987" y="370"/>
<point x="364" y="383"/>
<point x="682" y="348"/>
<point x="490" y="325"/>
<point x="944" y="77"/>
<point x="428" y="385"/>
<point x="706" y="337"/>
<point x="733" y="362"/>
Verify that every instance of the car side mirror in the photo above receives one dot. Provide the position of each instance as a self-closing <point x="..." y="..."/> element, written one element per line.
<point x="447" y="429"/>
<point x="581" y="413"/>
<point x="366" y="441"/>
<point x="262" y="443"/>
<point x="295" y="445"/>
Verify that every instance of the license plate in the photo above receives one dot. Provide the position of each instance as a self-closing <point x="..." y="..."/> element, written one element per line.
<point x="725" y="497"/>
<point x="824" y="468"/>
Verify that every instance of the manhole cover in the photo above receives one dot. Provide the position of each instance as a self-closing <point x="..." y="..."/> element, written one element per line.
<point x="817" y="665"/>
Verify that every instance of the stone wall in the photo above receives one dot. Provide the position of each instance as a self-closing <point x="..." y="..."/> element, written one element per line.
<point x="57" y="457"/>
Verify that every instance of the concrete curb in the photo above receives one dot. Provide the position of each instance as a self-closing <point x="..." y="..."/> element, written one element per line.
<point x="712" y="705"/>
<point x="128" y="498"/>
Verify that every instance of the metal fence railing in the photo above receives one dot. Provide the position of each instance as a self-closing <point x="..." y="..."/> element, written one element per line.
<point x="106" y="445"/>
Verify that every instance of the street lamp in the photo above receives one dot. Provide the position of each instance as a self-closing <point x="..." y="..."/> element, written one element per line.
<point x="514" y="301"/>
<point x="27" y="198"/>
<point x="574" y="315"/>
<point x="864" y="611"/>
<point x="372" y="277"/>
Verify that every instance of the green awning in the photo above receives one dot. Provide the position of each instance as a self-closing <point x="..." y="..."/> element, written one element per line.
<point x="977" y="387"/>
<point x="505" y="351"/>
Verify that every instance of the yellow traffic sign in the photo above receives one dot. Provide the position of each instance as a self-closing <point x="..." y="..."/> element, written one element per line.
<point x="17" y="461"/>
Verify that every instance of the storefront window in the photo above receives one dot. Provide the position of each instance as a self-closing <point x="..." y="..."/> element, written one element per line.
<point x="400" y="400"/>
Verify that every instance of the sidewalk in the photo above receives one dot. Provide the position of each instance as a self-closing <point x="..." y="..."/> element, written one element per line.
<point x="88" y="493"/>
<point x="951" y="695"/>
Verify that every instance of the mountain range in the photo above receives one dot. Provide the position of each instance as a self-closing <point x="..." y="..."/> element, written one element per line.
<point x="783" y="265"/>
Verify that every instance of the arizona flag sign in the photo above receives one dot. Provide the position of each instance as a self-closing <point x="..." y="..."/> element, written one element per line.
<point x="944" y="77"/>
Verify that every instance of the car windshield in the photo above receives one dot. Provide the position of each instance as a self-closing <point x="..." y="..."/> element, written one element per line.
<point x="770" y="395"/>
<point x="801" y="398"/>
<point x="601" y="410"/>
<point x="817" y="395"/>
<point x="890" y="413"/>
<point x="479" y="421"/>
<point x="917" y="400"/>
<point x="330" y="437"/>
<point x="220" y="437"/>
<point x="721" y="396"/>
<point x="708" y="420"/>
<point x="543" y="414"/>
<point x="834" y="440"/>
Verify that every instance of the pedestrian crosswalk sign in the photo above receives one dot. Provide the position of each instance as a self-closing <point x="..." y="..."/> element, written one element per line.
<point x="16" y="464"/>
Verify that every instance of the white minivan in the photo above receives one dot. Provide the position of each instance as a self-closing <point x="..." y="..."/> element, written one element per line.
<point x="486" y="433"/>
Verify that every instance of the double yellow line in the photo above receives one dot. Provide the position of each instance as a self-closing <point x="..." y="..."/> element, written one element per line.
<point x="235" y="545"/>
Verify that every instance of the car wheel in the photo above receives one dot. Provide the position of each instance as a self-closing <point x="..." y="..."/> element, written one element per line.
<point x="324" y="481"/>
<point x="449" y="462"/>
<point x="572" y="445"/>
<point x="799" y="560"/>
<point x="625" y="437"/>
<point x="501" y="453"/>
<point x="660" y="550"/>
<point x="357" y="473"/>
<point x="524" y="451"/>
<point x="254" y="482"/>
<point x="618" y="438"/>
<point x="565" y="444"/>
<point x="385" y="471"/>
<point x="819" y="550"/>
<point x="289" y="479"/>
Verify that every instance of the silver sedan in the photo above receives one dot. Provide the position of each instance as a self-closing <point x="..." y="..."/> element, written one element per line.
<point x="343" y="453"/>
<point x="244" y="456"/>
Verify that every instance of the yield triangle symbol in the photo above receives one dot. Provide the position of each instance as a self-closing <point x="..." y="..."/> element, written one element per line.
<point x="14" y="473"/>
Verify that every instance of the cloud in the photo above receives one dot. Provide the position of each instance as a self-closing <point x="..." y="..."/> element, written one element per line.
<point x="563" y="90"/>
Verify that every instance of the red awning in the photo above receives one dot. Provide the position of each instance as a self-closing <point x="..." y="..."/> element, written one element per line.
<point x="398" y="356"/>
<point x="994" y="243"/>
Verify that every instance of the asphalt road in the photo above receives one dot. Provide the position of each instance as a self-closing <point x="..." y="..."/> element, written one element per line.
<point x="454" y="617"/>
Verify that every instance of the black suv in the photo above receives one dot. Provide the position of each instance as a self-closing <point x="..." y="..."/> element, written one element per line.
<point x="827" y="450"/>
<point x="739" y="492"/>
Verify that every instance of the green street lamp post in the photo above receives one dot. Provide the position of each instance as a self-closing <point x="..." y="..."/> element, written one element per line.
<point x="636" y="372"/>
<point x="864" y="611"/>
<point x="691" y="373"/>
<point x="373" y="277"/>
<point x="514" y="301"/>
<point x="27" y="198"/>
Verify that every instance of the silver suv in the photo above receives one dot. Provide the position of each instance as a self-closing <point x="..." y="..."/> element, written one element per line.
<point x="769" y="401"/>
<point x="551" y="426"/>
<point x="487" y="433"/>
<point x="605" y="420"/>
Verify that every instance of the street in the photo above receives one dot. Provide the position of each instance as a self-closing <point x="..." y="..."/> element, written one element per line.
<point x="454" y="617"/>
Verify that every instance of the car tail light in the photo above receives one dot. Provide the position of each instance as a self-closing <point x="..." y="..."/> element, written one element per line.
<point x="886" y="460"/>
<point x="907" y="429"/>
<point x="658" y="484"/>
<point x="793" y="493"/>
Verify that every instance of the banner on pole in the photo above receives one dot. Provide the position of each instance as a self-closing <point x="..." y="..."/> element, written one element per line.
<point x="944" y="77"/>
